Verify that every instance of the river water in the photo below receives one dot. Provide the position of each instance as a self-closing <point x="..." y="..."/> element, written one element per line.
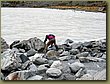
<point x="25" y="23"/>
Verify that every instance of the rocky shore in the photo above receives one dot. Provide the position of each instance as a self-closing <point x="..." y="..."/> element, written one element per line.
<point x="25" y="60"/>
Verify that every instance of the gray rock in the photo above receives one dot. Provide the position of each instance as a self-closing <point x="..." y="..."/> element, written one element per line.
<point x="92" y="59"/>
<point x="65" y="53"/>
<point x="32" y="43"/>
<point x="57" y="64"/>
<point x="10" y="60"/>
<point x="100" y="75"/>
<point x="76" y="45"/>
<point x="43" y="68"/>
<point x="80" y="72"/>
<point x="32" y="67"/>
<point x="76" y="66"/>
<point x="74" y="51"/>
<point x="52" y="53"/>
<point x="68" y="77"/>
<point x="104" y="56"/>
<point x="37" y="77"/>
<point x="21" y="50"/>
<point x="4" y="45"/>
<point x="68" y="41"/>
<point x="23" y="58"/>
<point x="86" y="77"/>
<point x="53" y="72"/>
<point x="15" y="42"/>
<point x="20" y="75"/>
<point x="31" y="52"/>
<point x="83" y="54"/>
<point x="40" y="61"/>
<point x="60" y="51"/>
<point x="64" y="58"/>
<point x="92" y="72"/>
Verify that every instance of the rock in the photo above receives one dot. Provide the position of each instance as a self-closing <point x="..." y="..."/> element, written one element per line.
<point x="36" y="56"/>
<point x="40" y="61"/>
<point x="83" y="54"/>
<point x="4" y="45"/>
<point x="32" y="67"/>
<point x="25" y="65"/>
<point x="76" y="45"/>
<point x="10" y="60"/>
<point x="65" y="53"/>
<point x="52" y="53"/>
<point x="100" y="75"/>
<point x="87" y="44"/>
<point x="32" y="43"/>
<point x="37" y="77"/>
<point x="43" y="68"/>
<point x="68" y="41"/>
<point x="15" y="42"/>
<point x="86" y="77"/>
<point x="92" y="59"/>
<point x="64" y="58"/>
<point x="60" y="51"/>
<point x="23" y="58"/>
<point x="50" y="62"/>
<point x="20" y="75"/>
<point x="74" y="51"/>
<point x="21" y="50"/>
<point x="68" y="77"/>
<point x="76" y="66"/>
<point x="57" y="64"/>
<point x="31" y="52"/>
<point x="80" y="72"/>
<point x="53" y="72"/>
<point x="104" y="56"/>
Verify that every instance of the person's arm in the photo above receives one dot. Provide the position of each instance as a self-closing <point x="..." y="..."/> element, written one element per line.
<point x="45" y="39"/>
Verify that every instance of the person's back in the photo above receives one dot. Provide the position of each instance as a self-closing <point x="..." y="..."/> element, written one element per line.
<point x="52" y="41"/>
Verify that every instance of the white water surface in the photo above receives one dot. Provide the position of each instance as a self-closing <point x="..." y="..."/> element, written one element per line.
<point x="25" y="23"/>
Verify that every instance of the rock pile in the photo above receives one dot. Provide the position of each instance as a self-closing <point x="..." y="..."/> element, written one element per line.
<point x="73" y="61"/>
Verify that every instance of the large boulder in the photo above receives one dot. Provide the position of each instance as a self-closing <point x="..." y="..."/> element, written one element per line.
<point x="32" y="43"/>
<point x="4" y="45"/>
<point x="76" y="66"/>
<point x="53" y="72"/>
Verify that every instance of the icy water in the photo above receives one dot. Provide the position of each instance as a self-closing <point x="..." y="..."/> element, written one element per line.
<point x="25" y="23"/>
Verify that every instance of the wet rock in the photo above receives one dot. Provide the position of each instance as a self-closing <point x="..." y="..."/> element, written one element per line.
<point x="100" y="75"/>
<point x="64" y="58"/>
<point x="32" y="43"/>
<point x="20" y="75"/>
<point x="57" y="64"/>
<point x="53" y="72"/>
<point x="31" y="52"/>
<point x="37" y="77"/>
<point x="86" y="77"/>
<point x="4" y="45"/>
<point x="74" y="51"/>
<point x="76" y="66"/>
